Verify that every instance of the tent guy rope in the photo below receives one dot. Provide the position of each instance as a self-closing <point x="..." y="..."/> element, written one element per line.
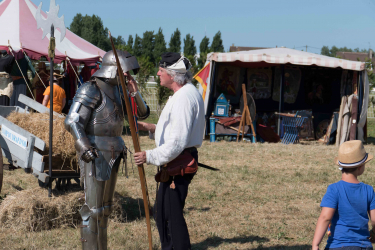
<point x="67" y="58"/>
<point x="11" y="51"/>
<point x="35" y="71"/>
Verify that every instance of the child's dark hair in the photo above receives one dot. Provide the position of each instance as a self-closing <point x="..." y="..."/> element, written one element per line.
<point x="349" y="170"/>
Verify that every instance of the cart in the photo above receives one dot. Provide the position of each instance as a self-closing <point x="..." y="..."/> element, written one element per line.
<point x="17" y="145"/>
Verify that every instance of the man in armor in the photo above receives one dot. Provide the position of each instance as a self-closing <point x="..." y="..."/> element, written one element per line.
<point x="96" y="120"/>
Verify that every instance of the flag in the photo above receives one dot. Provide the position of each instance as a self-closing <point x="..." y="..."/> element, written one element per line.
<point x="201" y="77"/>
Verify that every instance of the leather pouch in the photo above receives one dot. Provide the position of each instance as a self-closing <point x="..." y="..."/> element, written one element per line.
<point x="183" y="164"/>
<point x="162" y="175"/>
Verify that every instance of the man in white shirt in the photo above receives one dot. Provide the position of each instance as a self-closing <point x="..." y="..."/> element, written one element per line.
<point x="180" y="127"/>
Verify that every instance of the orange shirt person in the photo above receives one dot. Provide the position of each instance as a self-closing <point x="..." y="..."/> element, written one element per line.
<point x="59" y="97"/>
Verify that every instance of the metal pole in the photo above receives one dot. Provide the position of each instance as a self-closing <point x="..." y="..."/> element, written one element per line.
<point x="281" y="102"/>
<point x="50" y="119"/>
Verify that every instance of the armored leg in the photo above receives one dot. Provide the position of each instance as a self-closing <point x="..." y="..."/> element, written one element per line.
<point x="97" y="208"/>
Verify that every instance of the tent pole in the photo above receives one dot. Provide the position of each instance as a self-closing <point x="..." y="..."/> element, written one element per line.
<point x="51" y="68"/>
<point x="281" y="101"/>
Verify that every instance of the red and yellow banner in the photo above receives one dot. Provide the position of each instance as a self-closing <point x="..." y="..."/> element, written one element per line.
<point x="201" y="77"/>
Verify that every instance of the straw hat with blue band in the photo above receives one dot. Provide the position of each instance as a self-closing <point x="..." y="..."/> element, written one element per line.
<point x="352" y="154"/>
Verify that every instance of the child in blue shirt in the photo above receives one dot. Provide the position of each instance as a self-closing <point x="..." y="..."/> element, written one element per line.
<point x="348" y="204"/>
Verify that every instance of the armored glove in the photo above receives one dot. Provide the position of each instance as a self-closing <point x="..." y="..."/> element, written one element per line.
<point x="85" y="150"/>
<point x="89" y="155"/>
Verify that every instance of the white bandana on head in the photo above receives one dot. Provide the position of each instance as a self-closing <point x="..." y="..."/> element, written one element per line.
<point x="179" y="66"/>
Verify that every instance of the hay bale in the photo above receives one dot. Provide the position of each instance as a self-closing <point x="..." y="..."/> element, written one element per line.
<point x="38" y="125"/>
<point x="32" y="211"/>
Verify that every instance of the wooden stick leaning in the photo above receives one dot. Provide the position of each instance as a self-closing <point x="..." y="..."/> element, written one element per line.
<point x="246" y="117"/>
<point x="137" y="147"/>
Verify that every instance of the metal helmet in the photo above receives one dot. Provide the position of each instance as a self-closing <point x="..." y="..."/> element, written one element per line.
<point x="109" y="65"/>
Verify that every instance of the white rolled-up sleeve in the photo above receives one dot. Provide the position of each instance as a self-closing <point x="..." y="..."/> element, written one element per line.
<point x="151" y="135"/>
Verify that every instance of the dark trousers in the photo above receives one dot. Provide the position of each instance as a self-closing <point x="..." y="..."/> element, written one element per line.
<point x="4" y="100"/>
<point x="19" y="87"/>
<point x="168" y="212"/>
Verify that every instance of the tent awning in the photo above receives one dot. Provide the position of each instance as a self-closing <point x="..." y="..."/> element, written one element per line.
<point x="19" y="27"/>
<point x="285" y="55"/>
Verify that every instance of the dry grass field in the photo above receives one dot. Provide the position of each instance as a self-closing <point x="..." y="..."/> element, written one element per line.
<point x="266" y="196"/>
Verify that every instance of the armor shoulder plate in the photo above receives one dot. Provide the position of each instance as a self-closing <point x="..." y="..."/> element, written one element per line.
<point x="88" y="94"/>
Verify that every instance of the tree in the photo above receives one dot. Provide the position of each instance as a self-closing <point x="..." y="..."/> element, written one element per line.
<point x="148" y="44"/>
<point x="137" y="47"/>
<point x="145" y="70"/>
<point x="204" y="45"/>
<point x="119" y="41"/>
<point x="129" y="45"/>
<point x="333" y="51"/>
<point x="92" y="30"/>
<point x="204" y="50"/>
<point x="76" y="25"/>
<point x="160" y="46"/>
<point x="175" y="42"/>
<point x="217" y="43"/>
<point x="130" y="42"/>
<point x="189" y="46"/>
<point x="325" y="51"/>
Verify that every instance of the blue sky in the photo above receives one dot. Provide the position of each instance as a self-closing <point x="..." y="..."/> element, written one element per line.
<point x="260" y="23"/>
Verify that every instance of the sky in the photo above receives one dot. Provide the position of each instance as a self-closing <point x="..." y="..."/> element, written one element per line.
<point x="252" y="23"/>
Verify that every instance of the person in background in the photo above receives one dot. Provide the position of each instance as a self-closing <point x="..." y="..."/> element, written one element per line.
<point x="38" y="84"/>
<point x="6" y="82"/>
<point x="348" y="204"/>
<point x="21" y="82"/>
<point x="59" y="97"/>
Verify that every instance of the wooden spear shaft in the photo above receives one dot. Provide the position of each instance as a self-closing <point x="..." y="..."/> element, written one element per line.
<point x="137" y="148"/>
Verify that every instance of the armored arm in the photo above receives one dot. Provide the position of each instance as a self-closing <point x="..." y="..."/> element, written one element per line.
<point x="143" y="111"/>
<point x="85" y="100"/>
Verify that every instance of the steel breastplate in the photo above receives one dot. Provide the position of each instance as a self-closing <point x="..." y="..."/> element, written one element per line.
<point x="108" y="118"/>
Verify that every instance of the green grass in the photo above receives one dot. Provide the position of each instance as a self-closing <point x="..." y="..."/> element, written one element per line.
<point x="265" y="196"/>
<point x="371" y="131"/>
<point x="153" y="118"/>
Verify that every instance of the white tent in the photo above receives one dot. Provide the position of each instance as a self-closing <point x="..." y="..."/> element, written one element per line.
<point x="285" y="55"/>
<point x="19" y="30"/>
<point x="280" y="56"/>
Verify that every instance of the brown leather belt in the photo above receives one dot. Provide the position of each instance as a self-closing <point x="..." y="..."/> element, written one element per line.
<point x="15" y="78"/>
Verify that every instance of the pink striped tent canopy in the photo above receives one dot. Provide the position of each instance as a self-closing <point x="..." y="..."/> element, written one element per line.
<point x="285" y="55"/>
<point x="18" y="26"/>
